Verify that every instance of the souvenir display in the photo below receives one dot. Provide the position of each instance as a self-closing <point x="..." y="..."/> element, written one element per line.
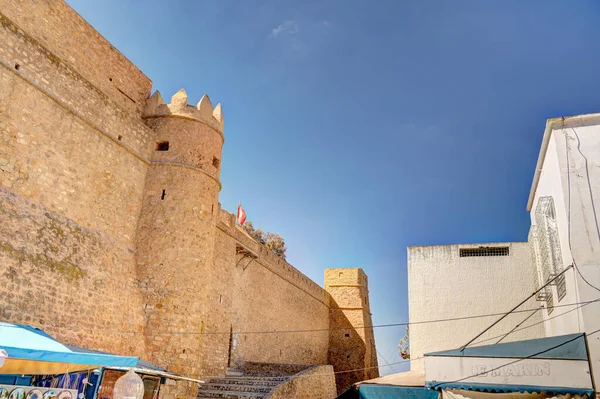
<point x="65" y="395"/>
<point x="34" y="394"/>
<point x="50" y="394"/>
<point x="3" y="393"/>
<point x="17" y="393"/>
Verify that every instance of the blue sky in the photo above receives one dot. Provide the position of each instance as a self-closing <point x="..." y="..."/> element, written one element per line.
<point x="355" y="129"/>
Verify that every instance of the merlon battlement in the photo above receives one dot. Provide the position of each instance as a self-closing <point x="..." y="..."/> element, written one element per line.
<point x="203" y="112"/>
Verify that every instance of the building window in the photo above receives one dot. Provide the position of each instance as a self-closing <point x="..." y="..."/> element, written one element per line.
<point x="483" y="251"/>
<point x="547" y="252"/>
<point x="162" y="146"/>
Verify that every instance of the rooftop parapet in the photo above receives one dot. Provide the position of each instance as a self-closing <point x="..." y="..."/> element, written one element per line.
<point x="179" y="107"/>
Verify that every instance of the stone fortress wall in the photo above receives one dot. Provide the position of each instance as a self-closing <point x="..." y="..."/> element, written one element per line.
<point x="110" y="241"/>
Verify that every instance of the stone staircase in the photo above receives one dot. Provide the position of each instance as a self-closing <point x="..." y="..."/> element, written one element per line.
<point x="247" y="386"/>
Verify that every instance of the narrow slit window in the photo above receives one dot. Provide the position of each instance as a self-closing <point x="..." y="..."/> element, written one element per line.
<point x="164" y="194"/>
<point x="162" y="146"/>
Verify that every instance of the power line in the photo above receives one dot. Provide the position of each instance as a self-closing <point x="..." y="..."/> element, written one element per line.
<point x="384" y="359"/>
<point x="582" y="304"/>
<point x="423" y="357"/>
<point x="514" y="361"/>
<point x="516" y="326"/>
<point x="513" y="309"/>
<point x="587" y="172"/>
<point x="408" y="360"/>
<point x="322" y="329"/>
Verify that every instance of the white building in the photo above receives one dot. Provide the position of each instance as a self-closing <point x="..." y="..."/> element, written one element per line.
<point x="447" y="281"/>
<point x="455" y="281"/>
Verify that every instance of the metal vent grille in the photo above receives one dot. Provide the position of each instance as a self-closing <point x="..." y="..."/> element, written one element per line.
<point x="484" y="251"/>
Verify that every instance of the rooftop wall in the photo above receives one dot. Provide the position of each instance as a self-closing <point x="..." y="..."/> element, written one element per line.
<point x="442" y="285"/>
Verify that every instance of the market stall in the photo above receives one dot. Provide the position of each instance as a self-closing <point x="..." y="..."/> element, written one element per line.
<point x="550" y="366"/>
<point x="36" y="366"/>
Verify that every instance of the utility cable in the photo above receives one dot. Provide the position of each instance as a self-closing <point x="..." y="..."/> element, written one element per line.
<point x="514" y="361"/>
<point x="197" y="376"/>
<point x="582" y="304"/>
<point x="516" y="326"/>
<point x="384" y="359"/>
<point x="569" y="201"/>
<point x="587" y="173"/>
<point x="319" y="329"/>
<point x="448" y="382"/>
<point x="462" y="348"/>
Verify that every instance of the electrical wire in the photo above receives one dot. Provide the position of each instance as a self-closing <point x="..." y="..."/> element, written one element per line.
<point x="462" y="348"/>
<point x="582" y="304"/>
<point x="423" y="357"/>
<point x="395" y="363"/>
<point x="568" y="228"/>
<point x="384" y="359"/>
<point x="512" y="362"/>
<point x="587" y="172"/>
<point x="516" y="326"/>
<point x="401" y="324"/>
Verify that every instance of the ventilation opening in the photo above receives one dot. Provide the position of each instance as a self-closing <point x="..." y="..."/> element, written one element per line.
<point x="162" y="146"/>
<point x="120" y="138"/>
<point x="110" y="79"/>
<point x="347" y="356"/>
<point x="17" y="67"/>
<point x="484" y="251"/>
<point x="164" y="193"/>
<point x="347" y="335"/>
<point x="216" y="162"/>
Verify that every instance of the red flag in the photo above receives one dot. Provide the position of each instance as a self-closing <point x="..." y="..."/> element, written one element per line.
<point x="241" y="216"/>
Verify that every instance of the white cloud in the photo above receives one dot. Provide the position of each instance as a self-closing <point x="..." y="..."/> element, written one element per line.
<point x="288" y="27"/>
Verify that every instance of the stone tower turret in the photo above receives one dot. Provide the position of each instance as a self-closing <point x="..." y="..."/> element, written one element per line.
<point x="176" y="230"/>
<point x="351" y="339"/>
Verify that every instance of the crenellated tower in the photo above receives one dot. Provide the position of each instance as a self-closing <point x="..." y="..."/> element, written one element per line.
<point x="351" y="338"/>
<point x="176" y="231"/>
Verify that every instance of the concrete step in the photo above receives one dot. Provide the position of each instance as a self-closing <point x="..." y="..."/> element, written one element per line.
<point x="265" y="374"/>
<point x="236" y="381"/>
<point x="236" y="387"/>
<point x="256" y="377"/>
<point x="206" y="394"/>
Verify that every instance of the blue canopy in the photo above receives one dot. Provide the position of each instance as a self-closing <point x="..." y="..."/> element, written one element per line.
<point x="32" y="351"/>
<point x="564" y="347"/>
<point x="368" y="391"/>
<point x="555" y="365"/>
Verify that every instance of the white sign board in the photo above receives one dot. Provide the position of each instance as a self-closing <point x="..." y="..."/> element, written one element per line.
<point x="508" y="371"/>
